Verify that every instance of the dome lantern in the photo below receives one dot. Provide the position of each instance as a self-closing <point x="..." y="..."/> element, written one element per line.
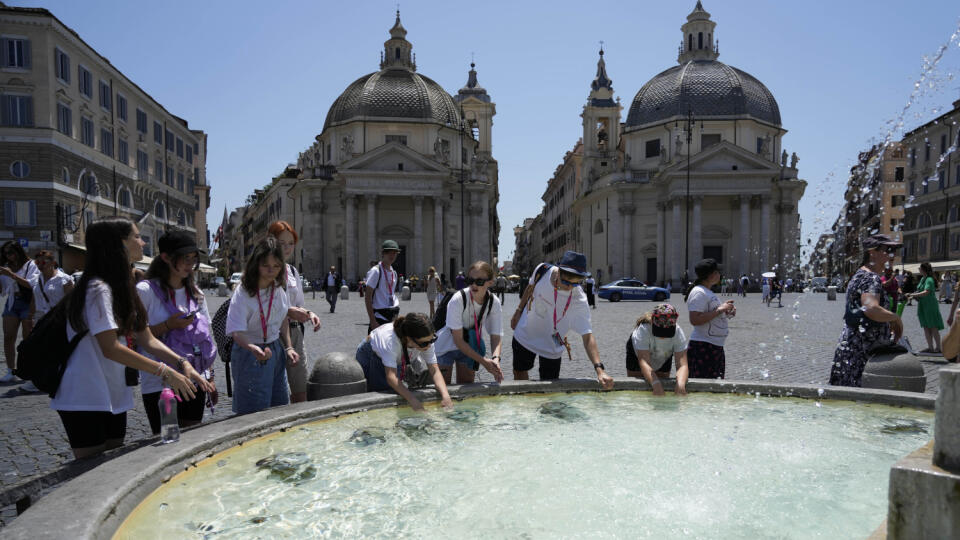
<point x="397" y="51"/>
<point x="698" y="42"/>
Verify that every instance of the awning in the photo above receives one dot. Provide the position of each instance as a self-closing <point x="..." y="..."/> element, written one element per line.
<point x="938" y="266"/>
<point x="77" y="246"/>
<point x="207" y="269"/>
<point x="143" y="263"/>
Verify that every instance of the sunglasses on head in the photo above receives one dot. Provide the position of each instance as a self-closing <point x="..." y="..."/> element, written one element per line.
<point x="425" y="343"/>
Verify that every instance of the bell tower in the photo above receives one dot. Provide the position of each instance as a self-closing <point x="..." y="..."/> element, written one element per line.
<point x="478" y="111"/>
<point x="698" y="42"/>
<point x="601" y="116"/>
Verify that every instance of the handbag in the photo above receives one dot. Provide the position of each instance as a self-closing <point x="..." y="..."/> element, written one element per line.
<point x="416" y="373"/>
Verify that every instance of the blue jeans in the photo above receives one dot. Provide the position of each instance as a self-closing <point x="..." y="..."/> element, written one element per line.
<point x="258" y="386"/>
<point x="373" y="368"/>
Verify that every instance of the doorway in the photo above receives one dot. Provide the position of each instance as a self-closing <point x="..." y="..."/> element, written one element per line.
<point x="400" y="265"/>
<point x="652" y="270"/>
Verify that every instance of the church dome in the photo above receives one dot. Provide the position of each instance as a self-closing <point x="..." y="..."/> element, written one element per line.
<point x="709" y="89"/>
<point x="393" y="93"/>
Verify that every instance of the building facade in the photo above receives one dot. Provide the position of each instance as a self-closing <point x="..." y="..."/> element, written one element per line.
<point x="398" y="158"/>
<point x="79" y="140"/>
<point x="696" y="170"/>
<point x="931" y="221"/>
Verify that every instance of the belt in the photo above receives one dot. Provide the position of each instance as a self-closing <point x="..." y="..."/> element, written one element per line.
<point x="297" y="324"/>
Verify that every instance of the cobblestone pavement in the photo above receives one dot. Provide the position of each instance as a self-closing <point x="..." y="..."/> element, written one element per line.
<point x="793" y="343"/>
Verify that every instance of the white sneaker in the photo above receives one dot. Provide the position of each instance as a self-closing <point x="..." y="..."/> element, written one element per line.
<point x="9" y="377"/>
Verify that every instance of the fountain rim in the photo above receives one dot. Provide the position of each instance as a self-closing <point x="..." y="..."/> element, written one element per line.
<point x="110" y="492"/>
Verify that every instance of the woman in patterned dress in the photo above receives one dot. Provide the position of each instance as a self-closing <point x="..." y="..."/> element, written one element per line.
<point x="866" y="321"/>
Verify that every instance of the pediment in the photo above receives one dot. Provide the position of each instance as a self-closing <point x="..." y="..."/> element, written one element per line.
<point x="387" y="158"/>
<point x="725" y="157"/>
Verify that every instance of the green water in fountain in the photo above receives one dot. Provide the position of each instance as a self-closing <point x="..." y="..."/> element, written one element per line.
<point x="620" y="464"/>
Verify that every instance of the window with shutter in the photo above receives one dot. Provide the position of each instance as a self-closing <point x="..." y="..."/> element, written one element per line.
<point x="62" y="63"/>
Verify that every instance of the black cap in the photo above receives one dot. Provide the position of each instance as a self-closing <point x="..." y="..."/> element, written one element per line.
<point x="876" y="241"/>
<point x="706" y="267"/>
<point x="178" y="243"/>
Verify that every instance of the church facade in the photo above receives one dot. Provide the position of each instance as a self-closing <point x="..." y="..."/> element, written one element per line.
<point x="399" y="158"/>
<point x="697" y="170"/>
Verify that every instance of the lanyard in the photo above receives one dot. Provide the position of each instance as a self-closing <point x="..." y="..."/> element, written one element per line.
<point x="389" y="280"/>
<point x="263" y="320"/>
<point x="477" y="325"/>
<point x="555" y="319"/>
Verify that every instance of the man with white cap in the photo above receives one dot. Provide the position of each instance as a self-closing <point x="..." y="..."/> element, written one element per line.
<point x="552" y="306"/>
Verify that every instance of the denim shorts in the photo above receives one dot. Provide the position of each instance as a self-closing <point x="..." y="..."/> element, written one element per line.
<point x="449" y="358"/>
<point x="258" y="386"/>
<point x="20" y="308"/>
<point x="373" y="369"/>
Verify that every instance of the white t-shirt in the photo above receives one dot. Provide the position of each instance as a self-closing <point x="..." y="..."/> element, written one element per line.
<point x="93" y="382"/>
<point x="28" y="271"/>
<point x="703" y="300"/>
<point x="386" y="344"/>
<point x="295" y="287"/>
<point x="52" y="288"/>
<point x="459" y="318"/>
<point x="535" y="329"/>
<point x="243" y="315"/>
<point x="157" y="312"/>
<point x="661" y="348"/>
<point x="383" y="295"/>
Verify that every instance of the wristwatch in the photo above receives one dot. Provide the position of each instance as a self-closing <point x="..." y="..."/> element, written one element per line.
<point x="599" y="365"/>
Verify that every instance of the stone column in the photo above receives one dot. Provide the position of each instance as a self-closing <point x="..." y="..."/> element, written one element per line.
<point x="626" y="246"/>
<point x="661" y="241"/>
<point x="676" y="268"/>
<point x="696" y="238"/>
<point x="765" y="234"/>
<point x="744" y="234"/>
<point x="350" y="241"/>
<point x="373" y="251"/>
<point x="484" y="253"/>
<point x="417" y="235"/>
<point x="438" y="233"/>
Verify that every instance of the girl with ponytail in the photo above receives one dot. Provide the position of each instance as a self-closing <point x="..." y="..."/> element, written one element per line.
<point x="396" y="347"/>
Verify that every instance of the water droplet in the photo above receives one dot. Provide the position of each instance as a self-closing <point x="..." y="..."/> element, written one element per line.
<point x="796" y="317"/>
<point x="786" y="339"/>
<point x="778" y="358"/>
<point x="819" y="404"/>
<point x="765" y="374"/>
<point x="820" y="392"/>
<point x="762" y="345"/>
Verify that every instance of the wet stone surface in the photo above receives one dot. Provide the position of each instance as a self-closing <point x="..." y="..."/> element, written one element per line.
<point x="789" y="344"/>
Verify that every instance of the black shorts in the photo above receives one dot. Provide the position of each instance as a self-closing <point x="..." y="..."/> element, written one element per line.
<point x="93" y="428"/>
<point x="187" y="410"/>
<point x="523" y="359"/>
<point x="633" y="362"/>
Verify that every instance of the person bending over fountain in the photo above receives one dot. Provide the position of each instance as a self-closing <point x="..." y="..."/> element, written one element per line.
<point x="656" y="340"/>
<point x="866" y="321"/>
<point x="400" y="351"/>
<point x="552" y="306"/>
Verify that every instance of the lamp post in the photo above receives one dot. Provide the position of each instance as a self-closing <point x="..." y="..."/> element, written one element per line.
<point x="689" y="122"/>
<point x="463" y="179"/>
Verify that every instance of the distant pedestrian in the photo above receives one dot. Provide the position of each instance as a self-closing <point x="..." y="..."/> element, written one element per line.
<point x="724" y="286"/>
<point x="744" y="284"/>
<point x="500" y="286"/>
<point x="588" y="286"/>
<point x="892" y="288"/>
<point x="655" y="344"/>
<point x="866" y="320"/>
<point x="928" y="309"/>
<point x="381" y="300"/>
<point x="52" y="286"/>
<point x="331" y="285"/>
<point x="765" y="290"/>
<point x="909" y="286"/>
<point x="433" y="287"/>
<point x="18" y="276"/>
<point x="709" y="317"/>
<point x="460" y="282"/>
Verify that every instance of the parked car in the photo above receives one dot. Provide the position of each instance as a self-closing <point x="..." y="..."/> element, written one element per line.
<point x="235" y="279"/>
<point x="631" y="289"/>
<point x="819" y="284"/>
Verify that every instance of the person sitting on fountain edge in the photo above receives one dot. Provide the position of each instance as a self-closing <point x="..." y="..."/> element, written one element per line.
<point x="656" y="339"/>
<point x="552" y="306"/>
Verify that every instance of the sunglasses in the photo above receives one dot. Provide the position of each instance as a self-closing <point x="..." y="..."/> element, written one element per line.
<point x="479" y="281"/>
<point x="571" y="283"/>
<point x="425" y="344"/>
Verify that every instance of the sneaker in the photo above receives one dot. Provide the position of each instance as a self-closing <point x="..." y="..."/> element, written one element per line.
<point x="9" y="377"/>
<point x="28" y="388"/>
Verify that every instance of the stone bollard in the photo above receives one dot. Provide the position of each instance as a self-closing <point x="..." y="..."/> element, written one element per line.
<point x="894" y="371"/>
<point x="405" y="293"/>
<point x="344" y="293"/>
<point x="924" y="493"/>
<point x="335" y="374"/>
<point x="831" y="293"/>
<point x="223" y="290"/>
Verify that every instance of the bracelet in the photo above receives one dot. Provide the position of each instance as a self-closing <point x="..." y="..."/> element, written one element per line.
<point x="656" y="382"/>
<point x="290" y="349"/>
<point x="162" y="371"/>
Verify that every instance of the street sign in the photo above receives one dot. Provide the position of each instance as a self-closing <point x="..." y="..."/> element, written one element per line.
<point x="45" y="236"/>
<point x="24" y="243"/>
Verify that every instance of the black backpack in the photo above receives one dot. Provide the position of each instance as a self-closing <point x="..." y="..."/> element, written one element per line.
<point x="218" y="326"/>
<point x="44" y="353"/>
<point x="440" y="315"/>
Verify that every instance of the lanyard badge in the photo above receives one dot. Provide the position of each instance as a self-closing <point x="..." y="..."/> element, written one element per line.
<point x="264" y="319"/>
<point x="557" y="339"/>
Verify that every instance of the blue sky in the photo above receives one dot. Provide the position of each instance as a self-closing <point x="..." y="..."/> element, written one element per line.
<point x="258" y="77"/>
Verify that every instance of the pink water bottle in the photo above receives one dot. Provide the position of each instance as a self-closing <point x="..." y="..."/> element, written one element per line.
<point x="169" y="427"/>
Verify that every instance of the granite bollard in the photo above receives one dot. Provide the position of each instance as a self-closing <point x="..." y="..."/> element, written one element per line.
<point x="894" y="372"/>
<point x="344" y="292"/>
<point x="335" y="374"/>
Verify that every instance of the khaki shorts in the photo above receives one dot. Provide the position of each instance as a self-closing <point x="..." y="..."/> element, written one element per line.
<point x="297" y="373"/>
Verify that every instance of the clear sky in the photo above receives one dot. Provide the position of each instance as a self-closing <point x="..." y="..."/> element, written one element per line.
<point x="258" y="77"/>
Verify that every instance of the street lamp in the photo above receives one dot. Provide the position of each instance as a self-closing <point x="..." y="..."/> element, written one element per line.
<point x="689" y="123"/>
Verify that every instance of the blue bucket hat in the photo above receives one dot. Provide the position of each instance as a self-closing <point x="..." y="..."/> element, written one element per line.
<point x="574" y="263"/>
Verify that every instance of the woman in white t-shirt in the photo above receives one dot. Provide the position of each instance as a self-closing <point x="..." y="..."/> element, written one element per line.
<point x="257" y="321"/>
<point x="93" y="397"/>
<point x="433" y="287"/>
<point x="18" y="275"/>
<point x="178" y="315"/>
<point x="656" y="341"/>
<point x="552" y="306"/>
<point x="52" y="284"/>
<point x="708" y="315"/>
<point x="297" y="312"/>
<point x="392" y="348"/>
<point x="470" y="312"/>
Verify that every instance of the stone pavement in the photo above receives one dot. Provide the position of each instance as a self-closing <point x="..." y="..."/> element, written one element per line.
<point x="789" y="344"/>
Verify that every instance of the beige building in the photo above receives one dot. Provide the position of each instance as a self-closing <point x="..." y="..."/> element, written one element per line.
<point x="696" y="170"/>
<point x="932" y="222"/>
<point x="79" y="140"/>
<point x="558" y="231"/>
<point x="398" y="158"/>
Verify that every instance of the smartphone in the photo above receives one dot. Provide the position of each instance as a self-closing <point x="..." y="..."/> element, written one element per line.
<point x="190" y="314"/>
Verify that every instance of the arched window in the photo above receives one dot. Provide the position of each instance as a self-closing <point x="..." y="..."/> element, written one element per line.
<point x="88" y="184"/>
<point x="65" y="176"/>
<point x="598" y="227"/>
<point x="160" y="211"/>
<point x="953" y="213"/>
<point x="690" y="42"/>
<point x="924" y="220"/>
<point x="20" y="169"/>
<point x="123" y="198"/>
<point x="700" y="40"/>
<point x="181" y="218"/>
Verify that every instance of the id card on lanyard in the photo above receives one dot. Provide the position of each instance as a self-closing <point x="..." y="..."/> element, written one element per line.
<point x="265" y="319"/>
<point x="557" y="339"/>
<point x="389" y="273"/>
